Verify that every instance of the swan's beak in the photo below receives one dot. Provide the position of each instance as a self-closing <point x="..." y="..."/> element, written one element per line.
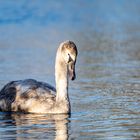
<point x="71" y="70"/>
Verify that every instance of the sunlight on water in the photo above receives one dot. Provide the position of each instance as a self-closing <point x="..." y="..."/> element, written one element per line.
<point x="105" y="96"/>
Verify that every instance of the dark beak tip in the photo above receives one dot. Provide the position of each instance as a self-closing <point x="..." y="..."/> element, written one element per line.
<point x="73" y="78"/>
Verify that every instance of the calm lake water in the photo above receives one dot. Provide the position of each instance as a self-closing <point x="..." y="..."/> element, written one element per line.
<point x="105" y="97"/>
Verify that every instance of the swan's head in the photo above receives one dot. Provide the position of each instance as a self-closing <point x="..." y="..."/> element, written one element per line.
<point x="69" y="53"/>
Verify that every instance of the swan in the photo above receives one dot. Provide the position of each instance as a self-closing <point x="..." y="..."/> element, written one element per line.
<point x="39" y="97"/>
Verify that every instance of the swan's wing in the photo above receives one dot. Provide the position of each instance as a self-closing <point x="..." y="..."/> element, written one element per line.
<point x="28" y="88"/>
<point x="35" y="89"/>
<point x="27" y="95"/>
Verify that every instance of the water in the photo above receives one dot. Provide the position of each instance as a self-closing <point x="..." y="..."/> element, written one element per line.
<point x="105" y="97"/>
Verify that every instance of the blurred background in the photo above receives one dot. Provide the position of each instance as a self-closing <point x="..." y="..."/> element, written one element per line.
<point x="105" y="97"/>
<point x="110" y="26"/>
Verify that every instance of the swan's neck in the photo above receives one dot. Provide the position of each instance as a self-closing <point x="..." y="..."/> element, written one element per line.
<point x="61" y="77"/>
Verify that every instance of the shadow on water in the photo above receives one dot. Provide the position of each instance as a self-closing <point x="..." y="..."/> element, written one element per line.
<point x="33" y="126"/>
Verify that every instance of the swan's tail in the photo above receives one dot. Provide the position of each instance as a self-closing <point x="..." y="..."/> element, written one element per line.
<point x="7" y="96"/>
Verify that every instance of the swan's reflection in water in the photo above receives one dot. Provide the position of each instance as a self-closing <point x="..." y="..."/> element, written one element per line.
<point x="34" y="126"/>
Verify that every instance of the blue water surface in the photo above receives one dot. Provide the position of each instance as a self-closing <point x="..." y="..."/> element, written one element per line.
<point x="105" y="97"/>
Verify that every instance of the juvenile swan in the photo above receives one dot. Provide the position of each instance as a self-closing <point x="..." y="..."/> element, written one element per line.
<point x="38" y="97"/>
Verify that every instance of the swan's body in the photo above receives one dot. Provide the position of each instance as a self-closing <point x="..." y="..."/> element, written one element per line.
<point x="38" y="97"/>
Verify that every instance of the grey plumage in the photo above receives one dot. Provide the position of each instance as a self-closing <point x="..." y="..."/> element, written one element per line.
<point x="28" y="88"/>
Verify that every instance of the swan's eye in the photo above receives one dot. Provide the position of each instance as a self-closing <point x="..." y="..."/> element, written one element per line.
<point x="69" y="56"/>
<point x="69" y="59"/>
